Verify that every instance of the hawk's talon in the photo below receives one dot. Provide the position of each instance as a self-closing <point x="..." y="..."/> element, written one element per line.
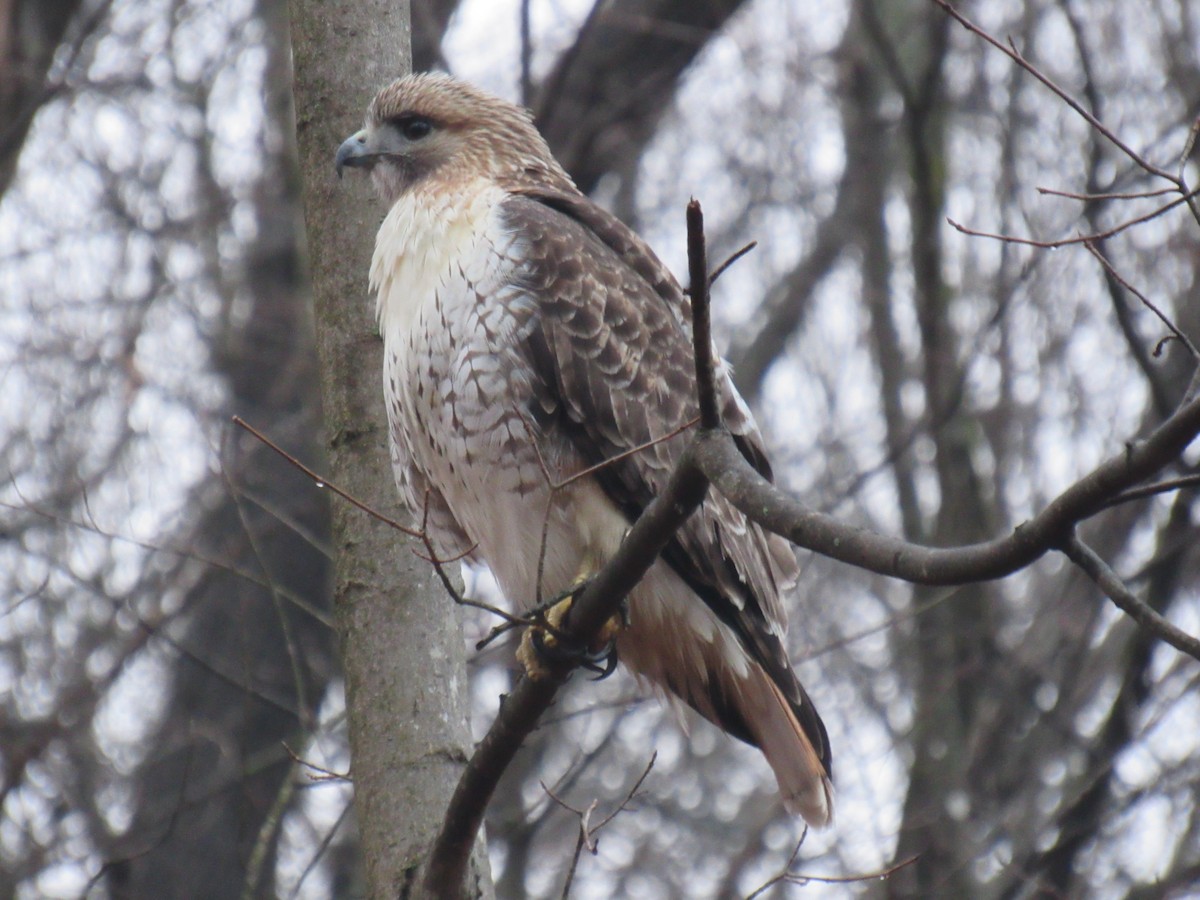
<point x="544" y="646"/>
<point x="609" y="657"/>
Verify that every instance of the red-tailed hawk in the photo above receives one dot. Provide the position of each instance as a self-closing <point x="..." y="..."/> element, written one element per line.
<point x="528" y="332"/>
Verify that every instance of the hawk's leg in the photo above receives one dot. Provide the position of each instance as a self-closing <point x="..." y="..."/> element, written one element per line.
<point x="542" y="644"/>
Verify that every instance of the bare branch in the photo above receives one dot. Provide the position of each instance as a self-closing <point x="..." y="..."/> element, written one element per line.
<point x="587" y="831"/>
<point x="786" y="876"/>
<point x="556" y="486"/>
<point x="706" y="382"/>
<point x="421" y="534"/>
<point x="1078" y="239"/>
<point x="1179" y="335"/>
<point x="1137" y="609"/>
<point x="317" y="773"/>
<point x="1152" y="490"/>
<point x="1017" y="57"/>
<point x="1107" y="195"/>
<point x="1188" y="147"/>
<point x="239" y="572"/>
<point x="520" y="710"/>
<point x="734" y="257"/>
<point x="632" y="451"/>
<point x="776" y="511"/>
<point x="322" y="482"/>
<point x="321" y="849"/>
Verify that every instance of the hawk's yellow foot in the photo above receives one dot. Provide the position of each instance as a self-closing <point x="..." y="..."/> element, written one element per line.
<point x="542" y="644"/>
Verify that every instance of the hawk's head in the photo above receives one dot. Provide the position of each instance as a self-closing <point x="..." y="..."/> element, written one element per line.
<point x="431" y="125"/>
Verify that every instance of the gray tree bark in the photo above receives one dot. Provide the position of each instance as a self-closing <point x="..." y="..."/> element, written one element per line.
<point x="401" y="637"/>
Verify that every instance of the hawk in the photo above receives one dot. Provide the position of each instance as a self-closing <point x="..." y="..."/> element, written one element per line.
<point x="529" y="335"/>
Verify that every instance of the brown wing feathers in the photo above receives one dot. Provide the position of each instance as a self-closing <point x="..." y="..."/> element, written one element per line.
<point x="636" y="340"/>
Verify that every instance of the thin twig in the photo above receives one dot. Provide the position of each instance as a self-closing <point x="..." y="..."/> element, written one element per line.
<point x="706" y="382"/>
<point x="1016" y="56"/>
<point x="1112" y="195"/>
<point x="421" y="534"/>
<point x="1137" y="609"/>
<point x="321" y="850"/>
<point x="720" y="270"/>
<point x="1153" y="490"/>
<point x="211" y="562"/>
<point x="510" y="621"/>
<point x="587" y="831"/>
<point x="592" y="470"/>
<point x="1179" y="335"/>
<point x="556" y="486"/>
<point x="541" y="461"/>
<point x="576" y="853"/>
<point x="791" y="860"/>
<point x="1079" y="239"/>
<point x="435" y="560"/>
<point x="1188" y="146"/>
<point x="321" y="773"/>
<point x="786" y="876"/>
<point x="322" y="482"/>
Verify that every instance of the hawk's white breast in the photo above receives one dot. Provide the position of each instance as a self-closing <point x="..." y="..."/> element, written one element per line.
<point x="455" y="381"/>
<point x="431" y="239"/>
<point x="458" y="387"/>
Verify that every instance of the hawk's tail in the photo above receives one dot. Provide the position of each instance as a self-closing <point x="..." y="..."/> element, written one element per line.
<point x="685" y="650"/>
<point x="802" y="772"/>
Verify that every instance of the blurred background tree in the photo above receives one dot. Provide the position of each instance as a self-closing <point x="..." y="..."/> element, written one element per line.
<point x="165" y="627"/>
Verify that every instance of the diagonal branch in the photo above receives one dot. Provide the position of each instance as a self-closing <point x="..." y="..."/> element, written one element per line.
<point x="1137" y="609"/>
<point x="1145" y="301"/>
<point x="1017" y="57"/>
<point x="520" y="710"/>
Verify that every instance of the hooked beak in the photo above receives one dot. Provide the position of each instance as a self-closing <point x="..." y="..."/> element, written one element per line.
<point x="353" y="153"/>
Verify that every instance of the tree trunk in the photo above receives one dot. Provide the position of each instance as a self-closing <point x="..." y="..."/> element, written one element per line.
<point x="401" y="637"/>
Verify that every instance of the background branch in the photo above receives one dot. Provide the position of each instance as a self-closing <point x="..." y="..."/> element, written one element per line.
<point x="1108" y="581"/>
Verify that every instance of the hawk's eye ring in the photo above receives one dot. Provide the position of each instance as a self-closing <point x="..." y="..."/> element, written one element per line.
<point x="414" y="127"/>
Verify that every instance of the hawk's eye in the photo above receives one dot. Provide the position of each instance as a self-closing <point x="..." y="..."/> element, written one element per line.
<point x="414" y="127"/>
